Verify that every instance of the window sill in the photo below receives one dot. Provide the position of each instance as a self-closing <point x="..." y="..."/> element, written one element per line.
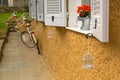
<point x="77" y="29"/>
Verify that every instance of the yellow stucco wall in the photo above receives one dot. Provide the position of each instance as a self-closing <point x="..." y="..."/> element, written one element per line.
<point x="64" y="50"/>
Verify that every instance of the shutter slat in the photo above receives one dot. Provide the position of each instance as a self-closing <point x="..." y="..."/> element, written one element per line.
<point x="32" y="9"/>
<point x="40" y="6"/>
<point x="96" y="7"/>
<point x="40" y="10"/>
<point x="53" y="6"/>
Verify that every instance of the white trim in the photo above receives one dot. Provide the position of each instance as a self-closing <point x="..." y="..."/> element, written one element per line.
<point x="78" y="30"/>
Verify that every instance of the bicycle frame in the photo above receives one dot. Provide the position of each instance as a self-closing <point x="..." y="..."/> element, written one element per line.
<point x="32" y="34"/>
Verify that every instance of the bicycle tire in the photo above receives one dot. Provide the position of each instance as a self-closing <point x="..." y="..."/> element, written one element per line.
<point x="36" y="43"/>
<point x="27" y="40"/>
<point x="38" y="49"/>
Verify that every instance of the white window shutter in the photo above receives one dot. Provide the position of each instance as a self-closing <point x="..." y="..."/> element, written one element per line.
<point x="100" y="19"/>
<point x="55" y="12"/>
<point x="32" y="9"/>
<point x="40" y="10"/>
<point x="73" y="4"/>
<point x="87" y="2"/>
<point x="30" y="6"/>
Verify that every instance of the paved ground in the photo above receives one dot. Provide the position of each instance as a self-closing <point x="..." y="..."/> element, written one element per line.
<point x="22" y="63"/>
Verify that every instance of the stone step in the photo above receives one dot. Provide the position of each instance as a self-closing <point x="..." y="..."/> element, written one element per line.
<point x="2" y="41"/>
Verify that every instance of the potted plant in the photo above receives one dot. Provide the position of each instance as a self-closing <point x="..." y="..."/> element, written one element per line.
<point x="84" y="16"/>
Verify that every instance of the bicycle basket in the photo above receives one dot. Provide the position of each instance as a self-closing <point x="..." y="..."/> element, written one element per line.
<point x="21" y="27"/>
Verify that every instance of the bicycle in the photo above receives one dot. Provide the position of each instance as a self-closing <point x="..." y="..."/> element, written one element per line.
<point x="12" y="21"/>
<point x="27" y="34"/>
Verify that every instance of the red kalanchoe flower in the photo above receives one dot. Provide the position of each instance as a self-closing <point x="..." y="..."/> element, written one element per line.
<point x="83" y="10"/>
<point x="79" y="7"/>
<point x="84" y="7"/>
<point x="88" y="8"/>
<point x="78" y="11"/>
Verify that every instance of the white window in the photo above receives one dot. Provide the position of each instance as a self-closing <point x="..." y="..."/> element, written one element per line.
<point x="39" y="10"/>
<point x="55" y="12"/>
<point x="74" y="24"/>
<point x="99" y="19"/>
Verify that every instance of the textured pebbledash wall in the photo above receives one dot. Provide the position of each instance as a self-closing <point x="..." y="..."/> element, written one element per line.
<point x="64" y="50"/>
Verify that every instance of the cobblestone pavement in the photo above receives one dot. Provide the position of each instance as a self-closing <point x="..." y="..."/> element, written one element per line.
<point x="22" y="63"/>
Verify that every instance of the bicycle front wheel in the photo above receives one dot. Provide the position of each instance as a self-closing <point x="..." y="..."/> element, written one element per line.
<point x="27" y="39"/>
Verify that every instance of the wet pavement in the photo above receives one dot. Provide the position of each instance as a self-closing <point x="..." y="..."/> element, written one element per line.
<point x="22" y="63"/>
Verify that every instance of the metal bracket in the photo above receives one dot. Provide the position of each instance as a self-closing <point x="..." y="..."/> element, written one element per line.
<point x="88" y="35"/>
<point x="95" y="24"/>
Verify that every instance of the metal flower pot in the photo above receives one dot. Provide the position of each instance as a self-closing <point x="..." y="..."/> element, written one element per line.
<point x="85" y="23"/>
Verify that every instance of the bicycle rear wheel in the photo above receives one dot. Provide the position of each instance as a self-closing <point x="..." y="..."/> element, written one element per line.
<point x="38" y="50"/>
<point x="27" y="39"/>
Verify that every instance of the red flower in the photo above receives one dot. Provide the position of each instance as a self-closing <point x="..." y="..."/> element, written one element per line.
<point x="84" y="7"/>
<point x="88" y="8"/>
<point x="83" y="10"/>
<point x="79" y="7"/>
<point x="78" y="11"/>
